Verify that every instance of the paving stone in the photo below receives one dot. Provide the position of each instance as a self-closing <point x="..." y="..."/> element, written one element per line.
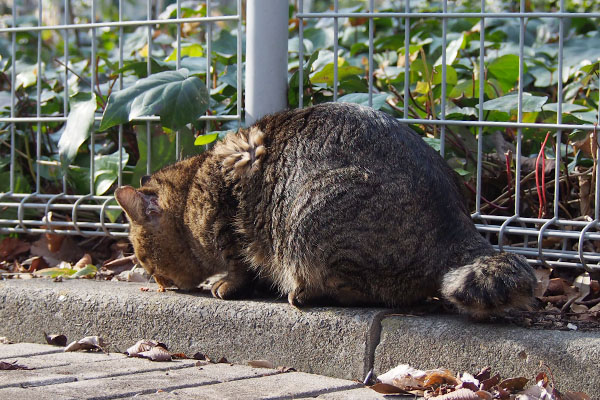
<point x="281" y="386"/>
<point x="139" y="383"/>
<point x="453" y="342"/>
<point x="329" y="341"/>
<point x="69" y="367"/>
<point x="13" y="350"/>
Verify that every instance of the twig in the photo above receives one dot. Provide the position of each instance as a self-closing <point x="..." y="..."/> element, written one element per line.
<point x="484" y="199"/>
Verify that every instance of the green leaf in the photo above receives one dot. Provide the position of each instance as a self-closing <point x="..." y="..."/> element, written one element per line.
<point x="173" y="95"/>
<point x="106" y="170"/>
<point x="363" y="98"/>
<point x="206" y="139"/>
<point x="451" y="76"/>
<point x="509" y="102"/>
<point x="79" y="125"/>
<point x="189" y="50"/>
<point x="88" y="270"/>
<point x="55" y="272"/>
<point x="506" y="70"/>
<point x="435" y="143"/>
<point x="325" y="75"/>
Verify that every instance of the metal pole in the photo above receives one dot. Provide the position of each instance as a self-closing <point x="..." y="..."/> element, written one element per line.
<point x="266" y="57"/>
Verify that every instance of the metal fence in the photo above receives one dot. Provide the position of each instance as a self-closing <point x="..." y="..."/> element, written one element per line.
<point x="552" y="239"/>
<point x="30" y="210"/>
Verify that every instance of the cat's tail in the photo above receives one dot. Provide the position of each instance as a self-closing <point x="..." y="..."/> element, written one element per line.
<point x="490" y="285"/>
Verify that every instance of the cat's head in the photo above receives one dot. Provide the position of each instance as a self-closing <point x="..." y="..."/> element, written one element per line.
<point x="157" y="237"/>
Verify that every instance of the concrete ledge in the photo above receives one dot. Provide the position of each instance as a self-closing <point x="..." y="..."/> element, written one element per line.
<point x="337" y="342"/>
<point x="329" y="341"/>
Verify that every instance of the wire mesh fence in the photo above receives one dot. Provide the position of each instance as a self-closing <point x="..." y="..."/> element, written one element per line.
<point x="556" y="235"/>
<point x="499" y="88"/>
<point x="54" y="52"/>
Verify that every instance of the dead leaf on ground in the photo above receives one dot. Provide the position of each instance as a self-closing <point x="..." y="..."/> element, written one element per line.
<point x="513" y="384"/>
<point x="157" y="353"/>
<point x="83" y="261"/>
<point x="56" y="340"/>
<point x="33" y="264"/>
<point x="87" y="343"/>
<point x="286" y="369"/>
<point x="261" y="364"/>
<point x="5" y="340"/>
<point x="543" y="281"/>
<point x="385" y="388"/>
<point x="6" y="366"/>
<point x="12" y="247"/>
<point x="460" y="394"/>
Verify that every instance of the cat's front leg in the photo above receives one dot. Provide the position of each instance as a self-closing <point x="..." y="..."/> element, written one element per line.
<point x="237" y="284"/>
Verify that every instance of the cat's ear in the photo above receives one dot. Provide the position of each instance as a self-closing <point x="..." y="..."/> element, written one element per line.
<point x="138" y="206"/>
<point x="144" y="179"/>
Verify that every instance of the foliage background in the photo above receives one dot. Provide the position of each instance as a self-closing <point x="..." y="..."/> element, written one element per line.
<point x="580" y="91"/>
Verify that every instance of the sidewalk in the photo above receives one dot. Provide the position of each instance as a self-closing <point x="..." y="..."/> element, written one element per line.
<point x="80" y="375"/>
<point x="337" y="342"/>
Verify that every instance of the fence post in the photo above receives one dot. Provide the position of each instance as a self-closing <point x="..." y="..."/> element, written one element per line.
<point x="266" y="57"/>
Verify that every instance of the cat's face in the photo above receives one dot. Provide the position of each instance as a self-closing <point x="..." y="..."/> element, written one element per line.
<point x="158" y="243"/>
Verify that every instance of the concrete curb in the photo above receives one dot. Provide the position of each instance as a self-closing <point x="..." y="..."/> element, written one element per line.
<point x="338" y="342"/>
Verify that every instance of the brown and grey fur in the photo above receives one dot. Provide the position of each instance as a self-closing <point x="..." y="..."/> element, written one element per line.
<point x="336" y="201"/>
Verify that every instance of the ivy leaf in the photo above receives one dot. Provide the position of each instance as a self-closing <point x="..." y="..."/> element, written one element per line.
<point x="173" y="95"/>
<point x="506" y="70"/>
<point x="206" y="139"/>
<point x="509" y="102"/>
<point x="325" y="75"/>
<point x="363" y="98"/>
<point x="79" y="125"/>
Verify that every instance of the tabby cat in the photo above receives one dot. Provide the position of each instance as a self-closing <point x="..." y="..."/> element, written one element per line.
<point x="337" y="203"/>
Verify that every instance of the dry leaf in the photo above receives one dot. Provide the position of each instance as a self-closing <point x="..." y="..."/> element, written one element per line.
<point x="222" y="360"/>
<point x="141" y="346"/>
<point x="460" y="394"/>
<point x="179" y="356"/>
<point x="4" y="340"/>
<point x="131" y="276"/>
<point x="583" y="283"/>
<point x="487" y="384"/>
<point x="286" y="369"/>
<point x="56" y="340"/>
<point x="535" y="393"/>
<point x="12" y="247"/>
<point x="439" y="377"/>
<point x="201" y="357"/>
<point x="543" y="280"/>
<point x="575" y="396"/>
<point x="87" y="343"/>
<point x="484" y="374"/>
<point x="513" y="384"/>
<point x="6" y="366"/>
<point x="261" y="364"/>
<point x="385" y="388"/>
<point x="484" y="395"/>
<point x="556" y="287"/>
<point x="403" y="376"/>
<point x="579" y="308"/>
<point x="156" y="353"/>
<point x="83" y="262"/>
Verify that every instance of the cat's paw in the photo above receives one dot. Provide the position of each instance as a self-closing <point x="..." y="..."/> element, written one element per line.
<point x="228" y="288"/>
<point x="298" y="297"/>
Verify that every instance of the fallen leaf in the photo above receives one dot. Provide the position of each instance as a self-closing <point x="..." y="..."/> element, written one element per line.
<point x="87" y="343"/>
<point x="582" y="283"/>
<point x="83" y="262"/>
<point x="6" y="366"/>
<point x="200" y="356"/>
<point x="487" y="384"/>
<point x="131" y="276"/>
<point x="484" y="395"/>
<point x="89" y="271"/>
<point x="484" y="374"/>
<point x="385" y="388"/>
<point x="286" y="369"/>
<point x="12" y="247"/>
<point x="575" y="396"/>
<point x="222" y="360"/>
<point x="261" y="364"/>
<point x="579" y="308"/>
<point x="535" y="393"/>
<point x="513" y="384"/>
<point x="439" y="377"/>
<point x="56" y="272"/>
<point x="403" y="376"/>
<point x="4" y="340"/>
<point x="141" y="346"/>
<point x="543" y="281"/>
<point x="156" y="353"/>
<point x="556" y="286"/>
<point x="56" y="340"/>
<point x="460" y="394"/>
<point x="179" y="356"/>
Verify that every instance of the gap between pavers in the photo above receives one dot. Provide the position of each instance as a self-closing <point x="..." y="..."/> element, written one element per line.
<point x="337" y="342"/>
